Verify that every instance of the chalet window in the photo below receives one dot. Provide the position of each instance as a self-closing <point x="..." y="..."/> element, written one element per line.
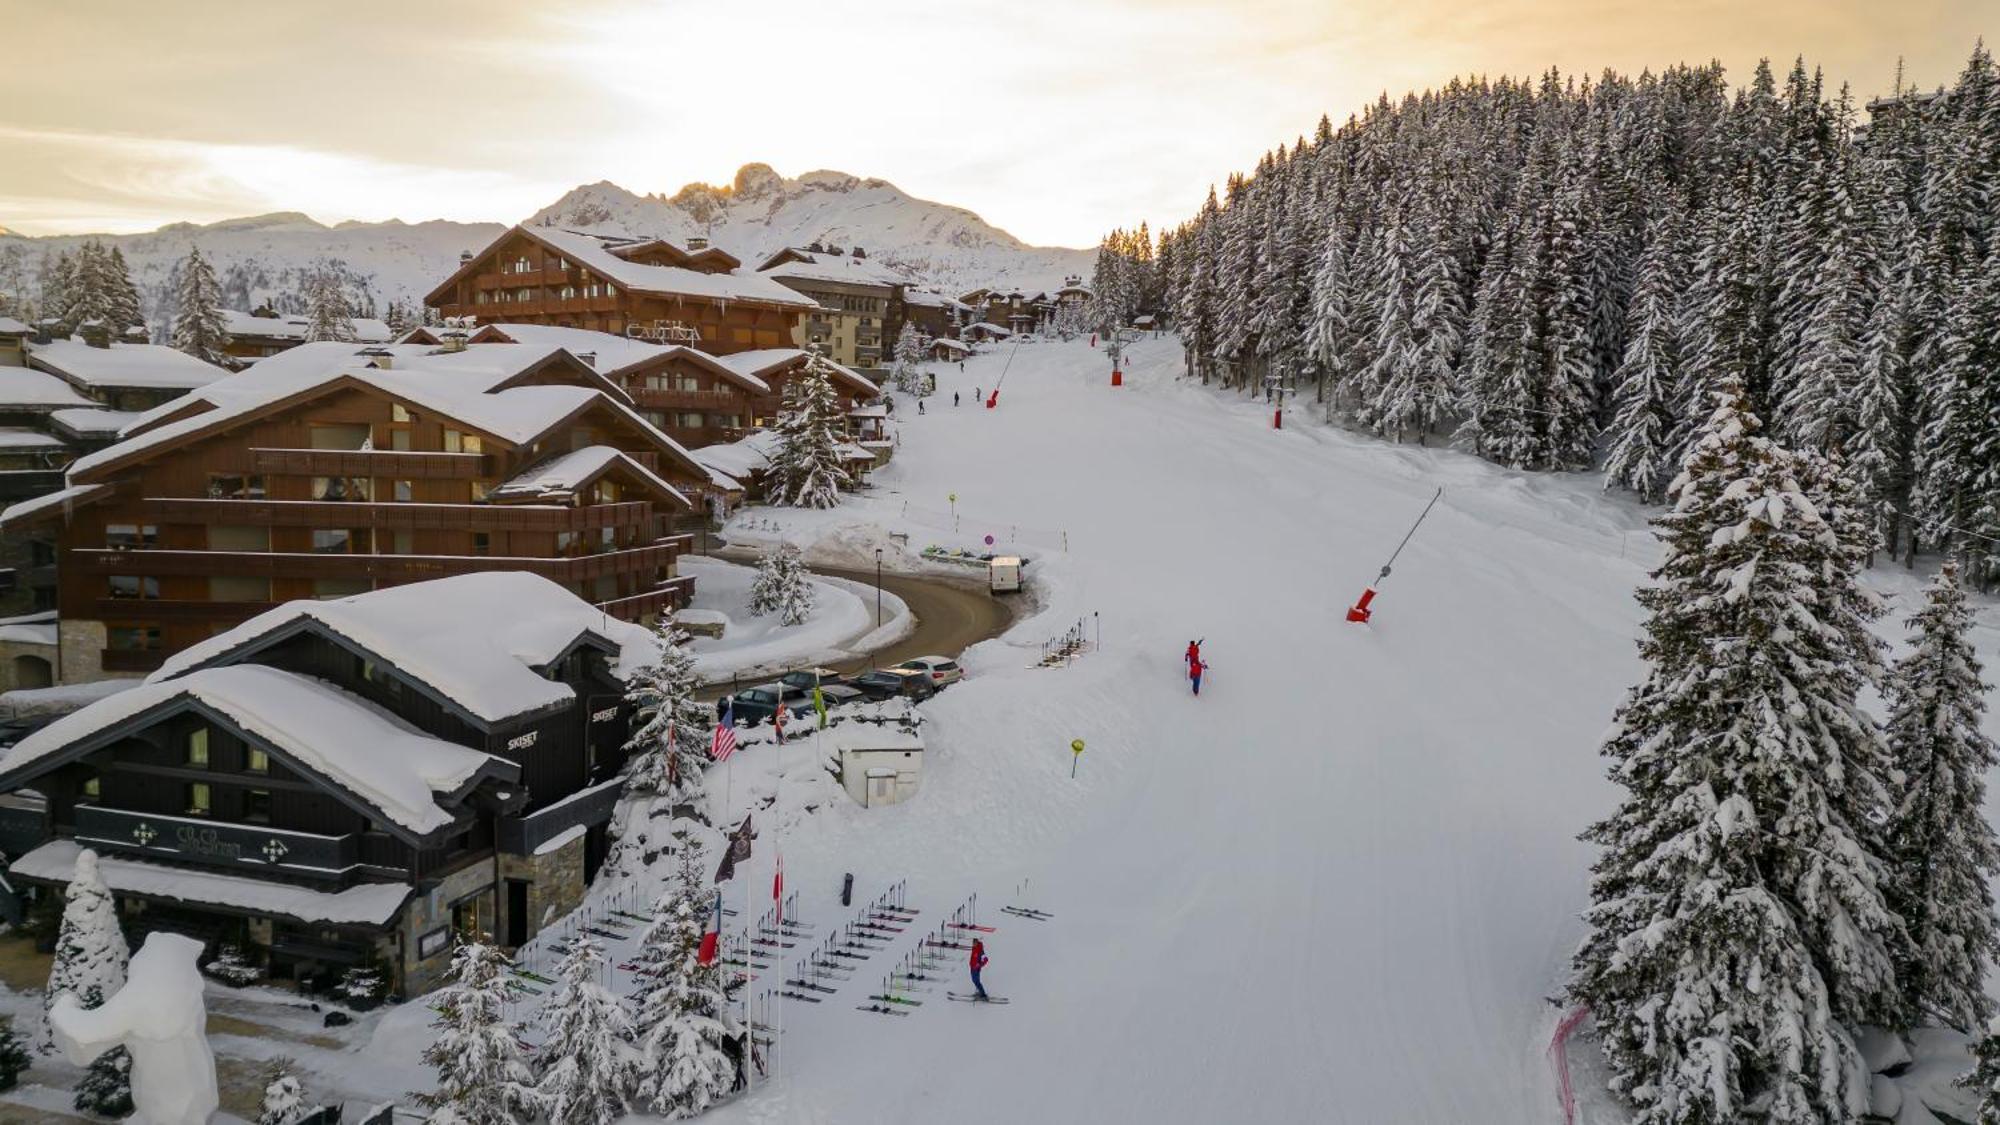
<point x="569" y="292"/>
<point x="521" y="265"/>
<point x="607" y="538"/>
<point x="256" y="761"/>
<point x="480" y="489"/>
<point x="132" y="638"/>
<point x="610" y="290"/>
<point x="235" y="486"/>
<point x="197" y="749"/>
<point x="130" y="586"/>
<point x="125" y="536"/>
<point x="689" y="421"/>
<point x="92" y="788"/>
<point x="225" y="537"/>
<point x="339" y="436"/>
<point x="238" y="588"/>
<point x="198" y="800"/>
<point x="689" y="383"/>
<point x="456" y="442"/>
<point x="400" y="543"/>
<point x="403" y="491"/>
<point x="399" y="440"/>
<point x="338" y="541"/>
<point x="479" y="298"/>
<point x="399" y="413"/>
<point x="325" y="588"/>
<point x="607" y="490"/>
<point x="338" y="489"/>
<point x="726" y="421"/>
<point x="481" y="542"/>
<point x="564" y="541"/>
<point x="257" y="806"/>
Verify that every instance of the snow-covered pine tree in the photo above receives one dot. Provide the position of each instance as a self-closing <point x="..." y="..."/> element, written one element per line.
<point x="1943" y="850"/>
<point x="670" y="745"/>
<point x="1642" y="428"/>
<point x="199" y="329"/>
<point x="481" y="1078"/>
<point x="1738" y="930"/>
<point x="1821" y="382"/>
<point x="327" y="314"/>
<point x="909" y="373"/>
<point x="14" y="1055"/>
<point x="1985" y="1075"/>
<point x="1881" y="450"/>
<point x="126" y="308"/>
<point x="783" y="586"/>
<point x="683" y="1021"/>
<point x="91" y="953"/>
<point x="588" y="1061"/>
<point x="806" y="471"/>
<point x="56" y="279"/>
<point x="284" y="1097"/>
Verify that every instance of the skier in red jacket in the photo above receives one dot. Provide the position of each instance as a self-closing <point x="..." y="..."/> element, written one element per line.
<point x="1193" y="656"/>
<point x="978" y="962"/>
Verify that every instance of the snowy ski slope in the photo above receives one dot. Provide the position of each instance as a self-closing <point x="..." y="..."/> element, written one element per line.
<point x="1337" y="887"/>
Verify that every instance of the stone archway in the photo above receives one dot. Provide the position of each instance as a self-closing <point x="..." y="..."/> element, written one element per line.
<point x="33" y="672"/>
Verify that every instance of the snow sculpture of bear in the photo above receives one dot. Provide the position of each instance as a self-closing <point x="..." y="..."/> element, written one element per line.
<point x="159" y="1017"/>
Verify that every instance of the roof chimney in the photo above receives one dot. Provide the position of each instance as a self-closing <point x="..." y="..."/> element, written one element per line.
<point x="453" y="339"/>
<point x="464" y="256"/>
<point x="378" y="357"/>
<point x="94" y="333"/>
<point x="48" y="328"/>
<point x="698" y="242"/>
<point x="589" y="359"/>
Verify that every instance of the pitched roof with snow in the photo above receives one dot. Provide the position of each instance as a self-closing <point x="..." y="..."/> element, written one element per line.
<point x="474" y="639"/>
<point x="595" y="253"/>
<point x="813" y="265"/>
<point x="11" y="327"/>
<point x="389" y="767"/>
<point x="147" y="366"/>
<point x="565" y="475"/>
<point x="91" y="422"/>
<point x="762" y="362"/>
<point x="23" y="439"/>
<point x="292" y="326"/>
<point x="26" y="388"/>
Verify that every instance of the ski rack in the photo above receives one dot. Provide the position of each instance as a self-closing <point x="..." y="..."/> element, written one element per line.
<point x="1060" y="651"/>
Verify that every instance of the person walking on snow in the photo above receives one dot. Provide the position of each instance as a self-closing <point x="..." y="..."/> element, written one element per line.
<point x="978" y="962"/>
<point x="954" y="398"/>
<point x="1193" y="656"/>
<point x="1195" y="669"/>
<point x="920" y="406"/>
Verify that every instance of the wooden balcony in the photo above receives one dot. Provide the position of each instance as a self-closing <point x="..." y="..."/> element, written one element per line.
<point x="177" y="609"/>
<point x="394" y="516"/>
<point x="376" y="568"/>
<point x="736" y="402"/>
<point x="371" y="463"/>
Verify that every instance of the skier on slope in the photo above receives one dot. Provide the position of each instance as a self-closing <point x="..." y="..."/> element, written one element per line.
<point x="1195" y="669"/>
<point x="954" y="398"/>
<point x="1193" y="656"/>
<point x="978" y="962"/>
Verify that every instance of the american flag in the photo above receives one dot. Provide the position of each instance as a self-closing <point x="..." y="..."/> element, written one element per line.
<point x="725" y="734"/>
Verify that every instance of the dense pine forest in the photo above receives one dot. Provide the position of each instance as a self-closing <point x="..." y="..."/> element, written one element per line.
<point x="1552" y="275"/>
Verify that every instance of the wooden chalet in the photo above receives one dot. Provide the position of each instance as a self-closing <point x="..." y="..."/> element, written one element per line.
<point x="266" y="332"/>
<point x="644" y="288"/>
<point x="329" y="471"/>
<point x="346" y="783"/>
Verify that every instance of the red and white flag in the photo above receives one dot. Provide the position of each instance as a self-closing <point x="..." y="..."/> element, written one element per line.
<point x="778" y="889"/>
<point x="711" y="934"/>
<point x="725" y="734"/>
<point x="778" y="721"/>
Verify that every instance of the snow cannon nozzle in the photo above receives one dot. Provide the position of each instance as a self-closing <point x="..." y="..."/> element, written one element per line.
<point x="1360" y="612"/>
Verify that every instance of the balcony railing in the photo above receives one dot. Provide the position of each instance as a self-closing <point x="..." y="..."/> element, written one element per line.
<point x="172" y="609"/>
<point x="131" y="659"/>
<point x="327" y="513"/>
<point x="671" y="594"/>
<point x="246" y="848"/>
<point x="371" y="463"/>
<point x="658" y="399"/>
<point x="379" y="568"/>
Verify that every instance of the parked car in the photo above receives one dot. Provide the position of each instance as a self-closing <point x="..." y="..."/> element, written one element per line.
<point x="803" y="679"/>
<point x="837" y="695"/>
<point x="940" y="670"/>
<point x="756" y="705"/>
<point x="891" y="683"/>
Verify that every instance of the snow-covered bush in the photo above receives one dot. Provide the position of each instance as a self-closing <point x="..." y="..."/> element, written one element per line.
<point x="362" y="986"/>
<point x="233" y="966"/>
<point x="284" y="1097"/>
<point x="783" y="586"/>
<point x="106" y="1086"/>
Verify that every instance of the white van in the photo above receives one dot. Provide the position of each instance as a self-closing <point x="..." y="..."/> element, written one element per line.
<point x="1003" y="575"/>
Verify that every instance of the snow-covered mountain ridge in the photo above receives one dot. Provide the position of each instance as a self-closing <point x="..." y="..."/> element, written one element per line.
<point x="264" y="257"/>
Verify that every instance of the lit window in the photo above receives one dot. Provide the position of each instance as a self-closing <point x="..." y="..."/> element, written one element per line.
<point x="197" y="748"/>
<point x="93" y="787"/>
<point x="480" y="489"/>
<point x="399" y="413"/>
<point x="256" y="761"/>
<point x="197" y="798"/>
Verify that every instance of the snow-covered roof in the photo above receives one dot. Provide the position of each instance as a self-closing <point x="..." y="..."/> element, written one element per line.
<point x="292" y="326"/>
<point x="476" y="639"/>
<point x="74" y="494"/>
<point x="32" y="628"/>
<point x="810" y="265"/>
<point x="849" y="451"/>
<point x="26" y="387"/>
<point x="11" y="327"/>
<point x="742" y="458"/>
<point x="565" y="474"/>
<point x="989" y="328"/>
<point x="20" y="439"/>
<point x="931" y="299"/>
<point x="372" y="904"/>
<point x="760" y="362"/>
<point x="594" y="254"/>
<point x="393" y="768"/>
<point x="92" y="422"/>
<point x="872" y="410"/>
<point x="950" y="344"/>
<point x="150" y="366"/>
<point x="613" y="352"/>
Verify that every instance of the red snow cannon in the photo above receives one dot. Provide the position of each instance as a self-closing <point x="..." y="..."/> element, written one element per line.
<point x="1117" y="377"/>
<point x="1278" y="418"/>
<point x="1359" y="611"/>
<point x="993" y="400"/>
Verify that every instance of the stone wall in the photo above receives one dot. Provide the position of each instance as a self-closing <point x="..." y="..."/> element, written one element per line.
<point x="428" y="912"/>
<point x="555" y="882"/>
<point x="82" y="651"/>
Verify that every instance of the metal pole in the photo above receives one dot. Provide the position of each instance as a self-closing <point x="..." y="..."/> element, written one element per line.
<point x="878" y="587"/>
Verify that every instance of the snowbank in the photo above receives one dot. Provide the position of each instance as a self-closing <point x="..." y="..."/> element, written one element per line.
<point x="751" y="648"/>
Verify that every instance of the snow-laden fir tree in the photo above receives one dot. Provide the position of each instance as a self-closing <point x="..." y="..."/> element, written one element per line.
<point x="587" y="1062"/>
<point x="56" y="279"/>
<point x="1648" y="379"/>
<point x="284" y="1097"/>
<point x="1943" y="849"/>
<point x="909" y="373"/>
<point x="1738" y="931"/>
<point x="481" y="1078"/>
<point x="670" y="744"/>
<point x="199" y="329"/>
<point x="91" y="954"/>
<point x="327" y="313"/>
<point x="127" y="310"/>
<point x="806" y="471"/>
<point x="683" y="1019"/>
<point x="783" y="586"/>
<point x="1985" y="1075"/>
<point x="14" y="1055"/>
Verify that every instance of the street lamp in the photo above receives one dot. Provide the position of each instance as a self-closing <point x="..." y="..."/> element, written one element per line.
<point x="878" y="587"/>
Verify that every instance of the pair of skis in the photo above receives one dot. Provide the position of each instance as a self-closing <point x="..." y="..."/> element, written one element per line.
<point x="1027" y="912"/>
<point x="975" y="998"/>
